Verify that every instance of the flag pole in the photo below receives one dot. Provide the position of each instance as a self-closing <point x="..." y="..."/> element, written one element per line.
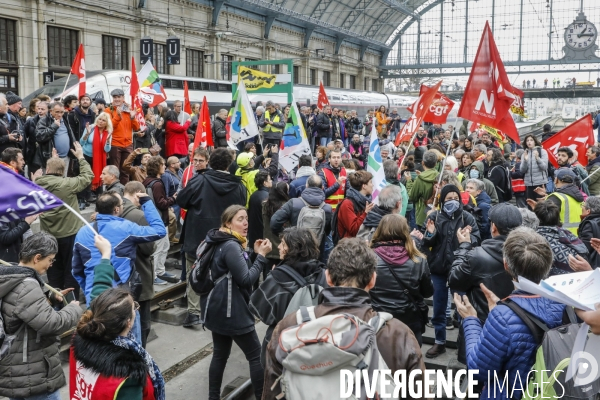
<point x="444" y="162"/>
<point x="590" y="175"/>
<point x="412" y="140"/>
<point x="80" y="217"/>
<point x="66" y="83"/>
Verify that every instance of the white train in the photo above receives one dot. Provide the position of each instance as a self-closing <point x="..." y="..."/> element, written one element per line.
<point x="218" y="93"/>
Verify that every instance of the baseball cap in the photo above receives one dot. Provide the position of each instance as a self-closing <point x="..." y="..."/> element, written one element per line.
<point x="244" y="159"/>
<point x="565" y="175"/>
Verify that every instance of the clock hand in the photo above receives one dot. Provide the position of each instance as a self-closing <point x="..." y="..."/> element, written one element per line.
<point x="582" y="32"/>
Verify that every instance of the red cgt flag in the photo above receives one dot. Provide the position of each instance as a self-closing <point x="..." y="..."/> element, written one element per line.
<point x="439" y="110"/>
<point x="421" y="107"/>
<point x="203" y="131"/>
<point x="136" y="101"/>
<point x="578" y="136"/>
<point x="488" y="95"/>
<point x="78" y="68"/>
<point x="323" y="100"/>
<point x="187" y="106"/>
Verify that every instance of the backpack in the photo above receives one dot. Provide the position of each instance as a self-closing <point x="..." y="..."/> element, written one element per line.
<point x="201" y="280"/>
<point x="149" y="191"/>
<point x="314" y="351"/>
<point x="313" y="218"/>
<point x="506" y="192"/>
<point x="551" y="169"/>
<point x="335" y="234"/>
<point x="307" y="295"/>
<point x="552" y="355"/>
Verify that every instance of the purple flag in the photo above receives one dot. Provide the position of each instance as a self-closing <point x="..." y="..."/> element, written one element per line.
<point x="20" y="197"/>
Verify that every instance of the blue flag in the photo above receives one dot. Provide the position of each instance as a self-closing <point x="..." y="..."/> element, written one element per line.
<point x="20" y="198"/>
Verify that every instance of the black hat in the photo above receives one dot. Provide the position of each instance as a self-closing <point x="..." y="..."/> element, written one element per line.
<point x="99" y="101"/>
<point x="505" y="216"/>
<point x="449" y="189"/>
<point x="12" y="98"/>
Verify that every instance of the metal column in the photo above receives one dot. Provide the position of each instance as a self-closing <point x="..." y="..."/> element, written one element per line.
<point x="520" y="32"/>
<point x="441" y="33"/>
<point x="419" y="41"/>
<point x="467" y="29"/>
<point x="550" y="35"/>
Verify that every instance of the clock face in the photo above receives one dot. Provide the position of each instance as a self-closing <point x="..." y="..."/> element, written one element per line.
<point x="580" y="36"/>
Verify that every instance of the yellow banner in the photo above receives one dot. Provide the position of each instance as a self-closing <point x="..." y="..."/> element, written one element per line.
<point x="255" y="80"/>
<point x="495" y="133"/>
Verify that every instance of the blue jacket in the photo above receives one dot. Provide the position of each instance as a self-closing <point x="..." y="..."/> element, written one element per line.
<point x="505" y="344"/>
<point x="123" y="236"/>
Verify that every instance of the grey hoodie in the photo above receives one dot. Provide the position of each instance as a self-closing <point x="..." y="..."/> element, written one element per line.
<point x="291" y="210"/>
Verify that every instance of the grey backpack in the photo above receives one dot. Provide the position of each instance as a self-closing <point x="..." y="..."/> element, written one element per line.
<point x="307" y="295"/>
<point x="313" y="218"/>
<point x="6" y="341"/>
<point x="314" y="351"/>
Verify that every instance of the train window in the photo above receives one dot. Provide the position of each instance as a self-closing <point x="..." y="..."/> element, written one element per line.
<point x="224" y="88"/>
<point x="335" y="96"/>
<point x="344" y="98"/>
<point x="97" y="95"/>
<point x="205" y="85"/>
<point x="176" y="84"/>
<point x="213" y="87"/>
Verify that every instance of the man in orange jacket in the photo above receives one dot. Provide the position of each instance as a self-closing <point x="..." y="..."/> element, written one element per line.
<point x="124" y="124"/>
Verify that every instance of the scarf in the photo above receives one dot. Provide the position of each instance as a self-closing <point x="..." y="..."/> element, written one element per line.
<point x="243" y="241"/>
<point x="9" y="167"/>
<point x="98" y="156"/>
<point x="155" y="376"/>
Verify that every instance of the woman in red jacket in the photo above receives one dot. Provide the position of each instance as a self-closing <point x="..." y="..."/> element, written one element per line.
<point x="177" y="141"/>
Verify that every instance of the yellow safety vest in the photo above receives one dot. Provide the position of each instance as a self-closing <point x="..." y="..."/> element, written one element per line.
<point x="271" y="128"/>
<point x="570" y="212"/>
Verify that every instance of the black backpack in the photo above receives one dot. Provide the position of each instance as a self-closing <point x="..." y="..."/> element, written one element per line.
<point x="201" y="280"/>
<point x="335" y="234"/>
<point x="506" y="191"/>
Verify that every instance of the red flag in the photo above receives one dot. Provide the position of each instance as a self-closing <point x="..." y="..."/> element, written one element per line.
<point x="323" y="100"/>
<point x="439" y="110"/>
<point x="203" y="131"/>
<point x="578" y="136"/>
<point x="78" y="68"/>
<point x="187" y="106"/>
<point x="421" y="107"/>
<point x="136" y="101"/>
<point x="488" y="95"/>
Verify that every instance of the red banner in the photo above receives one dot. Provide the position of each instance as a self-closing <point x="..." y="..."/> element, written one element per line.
<point x="421" y="107"/>
<point x="439" y="110"/>
<point x="187" y="106"/>
<point x="577" y="136"/>
<point x="203" y="131"/>
<point x="78" y="69"/>
<point x="488" y="95"/>
<point x="136" y="101"/>
<point x="323" y="100"/>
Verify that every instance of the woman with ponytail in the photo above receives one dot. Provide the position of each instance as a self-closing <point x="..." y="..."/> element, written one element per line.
<point x="225" y="309"/>
<point x="105" y="360"/>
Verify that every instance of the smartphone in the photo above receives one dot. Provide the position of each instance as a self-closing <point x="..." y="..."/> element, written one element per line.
<point x="69" y="297"/>
<point x="144" y="150"/>
<point x="125" y="107"/>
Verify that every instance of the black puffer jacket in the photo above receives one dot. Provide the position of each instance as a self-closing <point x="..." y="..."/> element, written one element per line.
<point x="219" y="133"/>
<point x="30" y="141"/>
<point x="11" y="237"/>
<point x="324" y="125"/>
<point x="443" y="242"/>
<point x="475" y="265"/>
<point x="590" y="228"/>
<point x="44" y="134"/>
<point x="389" y="296"/>
<point x="223" y="313"/>
<point x="205" y="198"/>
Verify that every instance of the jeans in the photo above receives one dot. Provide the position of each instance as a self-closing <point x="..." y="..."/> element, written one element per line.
<point x="136" y="329"/>
<point x="440" y="303"/>
<point x="44" y="396"/>
<point x="324" y="140"/>
<point x="160" y="255"/>
<point x="250" y="345"/>
<point x="193" y="299"/>
<point x="328" y="247"/>
<point x="410" y="217"/>
<point x="60" y="276"/>
<point x="521" y="199"/>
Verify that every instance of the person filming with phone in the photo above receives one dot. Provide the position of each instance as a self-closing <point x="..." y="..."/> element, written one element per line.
<point x="124" y="124"/>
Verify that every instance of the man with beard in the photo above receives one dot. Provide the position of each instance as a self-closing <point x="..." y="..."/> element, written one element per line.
<point x="334" y="179"/>
<point x="81" y="115"/>
<point x="563" y="157"/>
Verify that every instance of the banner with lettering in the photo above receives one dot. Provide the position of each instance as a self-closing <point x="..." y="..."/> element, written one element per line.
<point x="294" y="142"/>
<point x="242" y="122"/>
<point x="577" y="136"/>
<point x="438" y="110"/>
<point x="254" y="79"/>
<point x="24" y="198"/>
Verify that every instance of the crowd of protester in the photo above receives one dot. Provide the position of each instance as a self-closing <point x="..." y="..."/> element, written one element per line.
<point x="461" y="218"/>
